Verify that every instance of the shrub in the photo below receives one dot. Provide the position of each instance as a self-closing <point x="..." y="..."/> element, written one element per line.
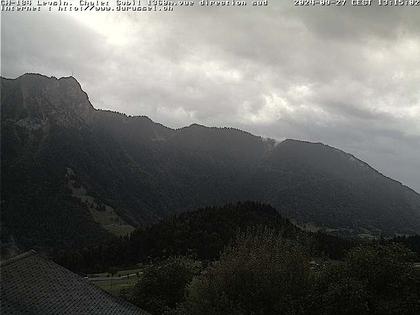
<point x="162" y="285"/>
<point x="259" y="273"/>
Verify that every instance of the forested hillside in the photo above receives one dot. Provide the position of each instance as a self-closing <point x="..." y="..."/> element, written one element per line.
<point x="73" y="175"/>
<point x="201" y="234"/>
<point x="245" y="258"/>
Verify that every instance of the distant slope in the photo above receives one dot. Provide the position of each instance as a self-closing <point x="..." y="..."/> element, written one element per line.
<point x="141" y="171"/>
<point x="317" y="183"/>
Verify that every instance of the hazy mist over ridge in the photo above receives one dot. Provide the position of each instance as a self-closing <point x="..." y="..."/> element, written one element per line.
<point x="348" y="77"/>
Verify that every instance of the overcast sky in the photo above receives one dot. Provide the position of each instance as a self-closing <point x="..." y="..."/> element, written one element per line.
<point x="348" y="77"/>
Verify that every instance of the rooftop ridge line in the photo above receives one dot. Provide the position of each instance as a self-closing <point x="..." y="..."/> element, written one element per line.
<point x="18" y="257"/>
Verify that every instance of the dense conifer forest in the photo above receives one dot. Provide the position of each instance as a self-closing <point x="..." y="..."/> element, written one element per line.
<point x="244" y="258"/>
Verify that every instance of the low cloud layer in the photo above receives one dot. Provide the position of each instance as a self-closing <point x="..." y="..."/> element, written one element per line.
<point x="348" y="77"/>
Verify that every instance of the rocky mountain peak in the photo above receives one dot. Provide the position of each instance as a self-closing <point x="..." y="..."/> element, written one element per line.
<point x="39" y="100"/>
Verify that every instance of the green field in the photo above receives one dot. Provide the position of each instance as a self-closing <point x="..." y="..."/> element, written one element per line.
<point x="117" y="273"/>
<point x="117" y="287"/>
<point x="118" y="284"/>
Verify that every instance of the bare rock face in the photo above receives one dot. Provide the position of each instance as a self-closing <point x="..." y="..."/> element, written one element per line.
<point x="37" y="102"/>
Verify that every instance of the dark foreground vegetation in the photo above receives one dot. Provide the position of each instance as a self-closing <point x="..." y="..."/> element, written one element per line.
<point x="246" y="259"/>
<point x="262" y="273"/>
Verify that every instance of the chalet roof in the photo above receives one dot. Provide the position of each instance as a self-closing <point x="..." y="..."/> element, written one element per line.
<point x="31" y="284"/>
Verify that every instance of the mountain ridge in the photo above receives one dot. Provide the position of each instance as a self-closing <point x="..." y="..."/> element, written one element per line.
<point x="142" y="171"/>
<point x="194" y="125"/>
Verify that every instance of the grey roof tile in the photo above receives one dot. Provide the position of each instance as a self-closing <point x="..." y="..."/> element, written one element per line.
<point x="31" y="284"/>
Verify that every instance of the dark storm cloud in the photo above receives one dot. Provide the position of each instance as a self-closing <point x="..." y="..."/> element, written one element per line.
<point x="348" y="76"/>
